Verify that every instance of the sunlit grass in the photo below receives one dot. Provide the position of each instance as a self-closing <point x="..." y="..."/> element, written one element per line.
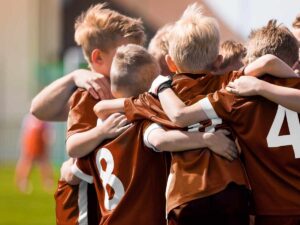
<point x="16" y="208"/>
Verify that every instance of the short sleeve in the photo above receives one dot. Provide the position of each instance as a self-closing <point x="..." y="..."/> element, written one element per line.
<point x="81" y="169"/>
<point x="218" y="105"/>
<point x="81" y="115"/>
<point x="141" y="107"/>
<point x="146" y="106"/>
<point x="146" y="134"/>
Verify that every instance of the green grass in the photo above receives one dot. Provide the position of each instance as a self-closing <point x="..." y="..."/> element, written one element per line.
<point x="16" y="208"/>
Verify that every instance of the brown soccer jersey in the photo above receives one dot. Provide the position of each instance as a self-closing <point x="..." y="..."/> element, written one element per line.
<point x="269" y="136"/>
<point x="130" y="179"/>
<point x="82" y="118"/>
<point x="81" y="115"/>
<point x="76" y="204"/>
<point x="198" y="173"/>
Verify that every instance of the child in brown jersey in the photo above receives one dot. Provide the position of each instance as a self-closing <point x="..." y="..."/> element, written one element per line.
<point x="270" y="39"/>
<point x="99" y="31"/>
<point x="132" y="72"/>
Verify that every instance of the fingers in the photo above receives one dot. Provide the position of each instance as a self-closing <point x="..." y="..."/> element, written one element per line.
<point x="91" y="90"/>
<point x="228" y="157"/>
<point x="102" y="86"/>
<point x="123" y="128"/>
<point x="119" y="119"/>
<point x="232" y="90"/>
<point x="112" y="118"/>
<point x="98" y="87"/>
<point x="230" y="84"/>
<point x="123" y="122"/>
<point x="232" y="151"/>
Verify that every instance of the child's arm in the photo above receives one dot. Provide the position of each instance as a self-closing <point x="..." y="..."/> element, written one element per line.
<point x="52" y="102"/>
<point x="248" y="86"/>
<point x="269" y="64"/>
<point x="106" y="107"/>
<point x="180" y="114"/>
<point x="175" y="141"/>
<point x="81" y="144"/>
<point x="183" y="115"/>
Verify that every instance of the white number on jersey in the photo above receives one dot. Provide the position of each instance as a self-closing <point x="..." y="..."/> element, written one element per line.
<point x="293" y="139"/>
<point x="108" y="178"/>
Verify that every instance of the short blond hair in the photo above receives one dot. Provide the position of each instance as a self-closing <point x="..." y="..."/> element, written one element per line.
<point x="296" y="23"/>
<point x="273" y="39"/>
<point x="159" y="47"/>
<point x="194" y="40"/>
<point x="133" y="70"/>
<point x="102" y="28"/>
<point x="232" y="51"/>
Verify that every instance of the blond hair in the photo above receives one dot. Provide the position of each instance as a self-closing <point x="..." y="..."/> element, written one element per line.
<point x="159" y="47"/>
<point x="273" y="39"/>
<point x="102" y="28"/>
<point x="194" y="40"/>
<point x="133" y="70"/>
<point x="232" y="51"/>
<point x="296" y="23"/>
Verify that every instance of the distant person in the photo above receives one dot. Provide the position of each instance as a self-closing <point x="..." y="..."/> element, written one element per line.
<point x="34" y="143"/>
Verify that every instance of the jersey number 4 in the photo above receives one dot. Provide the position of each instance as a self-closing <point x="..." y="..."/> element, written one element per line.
<point x="108" y="178"/>
<point x="293" y="139"/>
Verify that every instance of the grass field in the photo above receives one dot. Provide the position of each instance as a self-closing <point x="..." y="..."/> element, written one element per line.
<point x="16" y="208"/>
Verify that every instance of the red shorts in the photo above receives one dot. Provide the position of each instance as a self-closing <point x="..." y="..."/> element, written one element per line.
<point x="228" y="207"/>
<point x="277" y="220"/>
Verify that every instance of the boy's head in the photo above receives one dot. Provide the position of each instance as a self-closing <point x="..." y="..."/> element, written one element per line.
<point x="132" y="72"/>
<point x="296" y="28"/>
<point x="273" y="39"/>
<point x="159" y="47"/>
<point x="194" y="42"/>
<point x="233" y="54"/>
<point x="99" y="31"/>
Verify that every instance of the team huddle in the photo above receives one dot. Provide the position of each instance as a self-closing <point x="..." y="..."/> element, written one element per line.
<point x="183" y="133"/>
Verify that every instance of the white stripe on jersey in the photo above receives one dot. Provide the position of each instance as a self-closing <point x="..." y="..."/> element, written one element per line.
<point x="208" y="108"/>
<point x="83" y="203"/>
<point x="80" y="174"/>
<point x="146" y="134"/>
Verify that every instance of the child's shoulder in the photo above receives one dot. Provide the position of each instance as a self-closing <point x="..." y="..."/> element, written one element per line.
<point x="80" y="96"/>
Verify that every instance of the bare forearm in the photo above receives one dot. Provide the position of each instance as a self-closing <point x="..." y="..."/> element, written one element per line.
<point x="52" y="102"/>
<point x="178" y="112"/>
<point x="107" y="107"/>
<point x="175" y="140"/>
<point x="287" y="97"/>
<point x="81" y="144"/>
<point x="269" y="64"/>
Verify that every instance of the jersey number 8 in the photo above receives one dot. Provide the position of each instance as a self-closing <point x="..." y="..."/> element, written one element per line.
<point x="108" y="178"/>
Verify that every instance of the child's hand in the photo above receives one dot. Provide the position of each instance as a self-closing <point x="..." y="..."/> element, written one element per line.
<point x="115" y="125"/>
<point x="219" y="143"/>
<point x="245" y="86"/>
<point x="96" y="84"/>
<point x="66" y="174"/>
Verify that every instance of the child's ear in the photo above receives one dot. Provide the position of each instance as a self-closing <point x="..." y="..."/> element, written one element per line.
<point x="217" y="63"/>
<point x="97" y="56"/>
<point x="171" y="64"/>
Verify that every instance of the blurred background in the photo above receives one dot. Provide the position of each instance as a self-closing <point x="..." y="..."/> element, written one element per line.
<point x="37" y="47"/>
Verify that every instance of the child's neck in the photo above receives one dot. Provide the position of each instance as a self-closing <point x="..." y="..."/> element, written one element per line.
<point x="202" y="71"/>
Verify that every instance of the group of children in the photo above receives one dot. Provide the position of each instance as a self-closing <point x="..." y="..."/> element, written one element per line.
<point x="181" y="147"/>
